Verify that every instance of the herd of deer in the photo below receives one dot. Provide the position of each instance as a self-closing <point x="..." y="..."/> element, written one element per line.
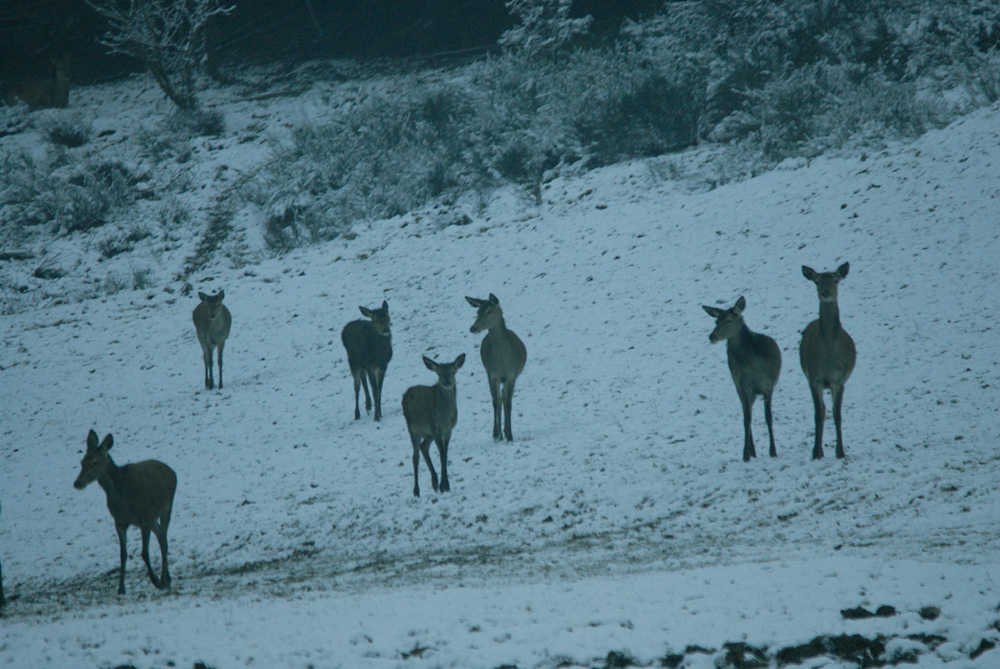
<point x="142" y="493"/>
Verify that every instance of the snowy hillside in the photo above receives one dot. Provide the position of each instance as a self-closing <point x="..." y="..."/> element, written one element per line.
<point x="621" y="526"/>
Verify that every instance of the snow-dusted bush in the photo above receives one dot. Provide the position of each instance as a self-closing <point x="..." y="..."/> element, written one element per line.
<point x="65" y="128"/>
<point x="63" y="197"/>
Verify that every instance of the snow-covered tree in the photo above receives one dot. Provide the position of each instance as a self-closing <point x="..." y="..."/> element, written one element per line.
<point x="544" y="26"/>
<point x="168" y="36"/>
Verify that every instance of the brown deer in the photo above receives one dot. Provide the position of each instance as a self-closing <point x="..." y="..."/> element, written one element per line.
<point x="50" y="90"/>
<point x="369" y="350"/>
<point x="431" y="413"/>
<point x="212" y="321"/>
<point x="503" y="355"/>
<point x="140" y="494"/>
<point x="827" y="353"/>
<point x="754" y="363"/>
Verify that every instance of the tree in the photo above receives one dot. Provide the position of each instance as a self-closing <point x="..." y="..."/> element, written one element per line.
<point x="544" y="27"/>
<point x="168" y="36"/>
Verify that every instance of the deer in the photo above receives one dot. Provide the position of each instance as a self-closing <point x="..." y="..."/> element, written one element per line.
<point x="51" y="90"/>
<point x="369" y="350"/>
<point x="212" y="322"/>
<point x="503" y="356"/>
<point x="827" y="353"/>
<point x="431" y="413"/>
<point x="140" y="494"/>
<point x="754" y="363"/>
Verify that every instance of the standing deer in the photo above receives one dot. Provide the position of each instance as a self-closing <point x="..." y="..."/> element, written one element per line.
<point x="369" y="350"/>
<point x="754" y="363"/>
<point x="212" y="321"/>
<point x="431" y="413"/>
<point x="51" y="90"/>
<point x="503" y="355"/>
<point x="827" y="353"/>
<point x="139" y="494"/>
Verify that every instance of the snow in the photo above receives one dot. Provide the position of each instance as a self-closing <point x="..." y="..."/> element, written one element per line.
<point x="620" y="519"/>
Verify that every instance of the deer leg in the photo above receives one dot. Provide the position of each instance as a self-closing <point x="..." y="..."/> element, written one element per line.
<point x="820" y="407"/>
<point x="508" y="400"/>
<point x="145" y="556"/>
<point x="368" y="397"/>
<point x="425" y="448"/>
<point x="2" y="600"/>
<point x="442" y="444"/>
<point x="120" y="529"/>
<point x="416" y="464"/>
<point x="495" y="394"/>
<point x="221" y="345"/>
<point x="838" y="400"/>
<point x="376" y="376"/>
<point x="357" y="389"/>
<point x="770" y="424"/>
<point x="161" y="537"/>
<point x="206" y="354"/>
<point x="748" y="448"/>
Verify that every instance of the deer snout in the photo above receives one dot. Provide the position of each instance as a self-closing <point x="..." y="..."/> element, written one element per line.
<point x="474" y="330"/>
<point x="79" y="483"/>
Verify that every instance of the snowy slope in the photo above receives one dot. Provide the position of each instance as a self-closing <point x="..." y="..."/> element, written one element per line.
<point x="621" y="518"/>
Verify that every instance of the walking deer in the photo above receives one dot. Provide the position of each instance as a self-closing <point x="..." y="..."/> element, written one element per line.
<point x="140" y="494"/>
<point x="503" y="355"/>
<point x="212" y="321"/>
<point x="827" y="353"/>
<point x="369" y="350"/>
<point x="49" y="90"/>
<point x="754" y="363"/>
<point x="431" y="413"/>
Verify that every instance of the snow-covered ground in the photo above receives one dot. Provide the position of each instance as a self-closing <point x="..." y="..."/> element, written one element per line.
<point x="621" y="525"/>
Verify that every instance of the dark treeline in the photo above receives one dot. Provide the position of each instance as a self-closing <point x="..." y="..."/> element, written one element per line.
<point x="33" y="32"/>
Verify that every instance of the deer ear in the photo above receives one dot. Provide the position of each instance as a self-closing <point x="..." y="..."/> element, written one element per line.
<point x="459" y="361"/>
<point x="473" y="301"/>
<point x="712" y="311"/>
<point x="91" y="440"/>
<point x="385" y="306"/>
<point x="107" y="443"/>
<point x="809" y="273"/>
<point x="741" y="304"/>
<point x="843" y="270"/>
<point x="493" y="299"/>
<point x="222" y="294"/>
<point x="202" y="296"/>
<point x="430" y="364"/>
<point x="365" y="311"/>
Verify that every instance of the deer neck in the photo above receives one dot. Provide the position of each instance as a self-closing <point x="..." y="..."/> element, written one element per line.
<point x="499" y="329"/>
<point x="742" y="338"/>
<point x="112" y="481"/>
<point x="829" y="319"/>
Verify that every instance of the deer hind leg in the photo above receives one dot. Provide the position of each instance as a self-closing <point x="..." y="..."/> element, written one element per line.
<point x="495" y="394"/>
<point x="508" y="400"/>
<point x="838" y="401"/>
<point x="123" y="553"/>
<point x="144" y="529"/>
<point x="359" y="378"/>
<point x="820" y="408"/>
<point x="770" y="424"/>
<point x="161" y="537"/>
